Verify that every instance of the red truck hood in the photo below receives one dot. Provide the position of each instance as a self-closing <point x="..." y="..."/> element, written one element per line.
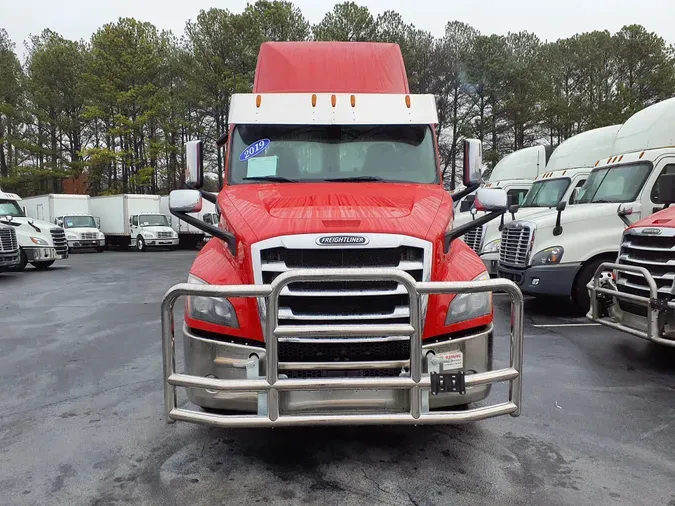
<point x="270" y="210"/>
<point x="663" y="218"/>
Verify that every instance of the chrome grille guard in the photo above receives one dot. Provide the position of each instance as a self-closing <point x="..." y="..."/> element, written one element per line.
<point x="268" y="387"/>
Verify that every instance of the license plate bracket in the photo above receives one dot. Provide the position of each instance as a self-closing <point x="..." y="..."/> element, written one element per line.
<point x="448" y="382"/>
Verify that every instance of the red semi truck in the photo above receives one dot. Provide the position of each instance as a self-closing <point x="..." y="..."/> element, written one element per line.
<point x="636" y="294"/>
<point x="334" y="290"/>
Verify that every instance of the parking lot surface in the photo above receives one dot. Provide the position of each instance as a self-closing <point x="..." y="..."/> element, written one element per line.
<point x="81" y="414"/>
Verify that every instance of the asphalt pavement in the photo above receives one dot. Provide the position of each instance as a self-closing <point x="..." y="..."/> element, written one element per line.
<point x="81" y="414"/>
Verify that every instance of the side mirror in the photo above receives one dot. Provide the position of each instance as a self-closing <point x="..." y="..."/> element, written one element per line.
<point x="667" y="189"/>
<point x="194" y="164"/>
<point x="131" y="220"/>
<point x="98" y="222"/>
<point x="575" y="196"/>
<point x="561" y="206"/>
<point x="185" y="201"/>
<point x="491" y="199"/>
<point x="473" y="161"/>
<point x="626" y="209"/>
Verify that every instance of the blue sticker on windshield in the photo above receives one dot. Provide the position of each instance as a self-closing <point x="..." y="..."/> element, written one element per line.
<point x="254" y="149"/>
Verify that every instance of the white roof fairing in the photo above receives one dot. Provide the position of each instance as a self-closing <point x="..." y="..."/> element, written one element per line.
<point x="297" y="109"/>
<point x="584" y="149"/>
<point x="651" y="128"/>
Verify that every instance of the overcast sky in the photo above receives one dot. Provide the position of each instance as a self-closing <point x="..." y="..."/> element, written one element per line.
<point x="550" y="20"/>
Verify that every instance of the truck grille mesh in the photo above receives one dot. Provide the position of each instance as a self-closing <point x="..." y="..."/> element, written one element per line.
<point x="164" y="235"/>
<point x="8" y="240"/>
<point x="59" y="238"/>
<point x="474" y="238"/>
<point x="656" y="253"/>
<point x="515" y="246"/>
<point x="89" y="236"/>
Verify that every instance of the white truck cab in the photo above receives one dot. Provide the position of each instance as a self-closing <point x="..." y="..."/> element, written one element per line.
<point x="41" y="243"/>
<point x="556" y="254"/>
<point x="82" y="231"/>
<point x="152" y="229"/>
<point x="515" y="174"/>
<point x="566" y="172"/>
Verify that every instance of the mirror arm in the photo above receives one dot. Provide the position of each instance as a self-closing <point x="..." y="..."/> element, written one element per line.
<point x="501" y="223"/>
<point x="453" y="234"/>
<point x="205" y="195"/>
<point x="622" y="215"/>
<point x="557" y="230"/>
<point x="463" y="193"/>
<point x="222" y="140"/>
<point x="229" y="238"/>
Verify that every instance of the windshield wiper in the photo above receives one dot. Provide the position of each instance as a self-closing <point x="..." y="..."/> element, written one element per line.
<point x="275" y="179"/>
<point x="356" y="178"/>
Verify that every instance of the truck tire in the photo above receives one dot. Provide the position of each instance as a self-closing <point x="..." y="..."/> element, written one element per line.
<point x="100" y="249"/>
<point x="23" y="262"/>
<point x="42" y="266"/>
<point x="580" y="295"/>
<point x="140" y="244"/>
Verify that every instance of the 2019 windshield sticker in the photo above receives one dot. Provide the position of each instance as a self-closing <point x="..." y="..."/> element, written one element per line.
<point x="254" y="149"/>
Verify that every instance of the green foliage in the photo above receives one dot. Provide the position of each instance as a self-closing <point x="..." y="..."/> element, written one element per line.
<point x="119" y="107"/>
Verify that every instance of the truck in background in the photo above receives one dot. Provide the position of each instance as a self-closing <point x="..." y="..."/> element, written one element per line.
<point x="209" y="216"/>
<point x="334" y="290"/>
<point x="566" y="172"/>
<point x="556" y="253"/>
<point x="639" y="295"/>
<point x="188" y="235"/>
<point x="70" y="212"/>
<point x="515" y="173"/>
<point x="40" y="243"/>
<point x="10" y="255"/>
<point x="133" y="220"/>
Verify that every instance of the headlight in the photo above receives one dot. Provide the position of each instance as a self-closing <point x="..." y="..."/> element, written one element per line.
<point x="211" y="309"/>
<point x="101" y="236"/>
<point x="175" y="234"/>
<point x="467" y="306"/>
<point x="38" y="241"/>
<point x="148" y="235"/>
<point x="71" y="236"/>
<point x="548" y="256"/>
<point x="492" y="246"/>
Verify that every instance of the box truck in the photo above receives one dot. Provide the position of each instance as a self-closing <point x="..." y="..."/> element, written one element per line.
<point x="40" y="243"/>
<point x="70" y="212"/>
<point x="133" y="220"/>
<point x="334" y="289"/>
<point x="188" y="235"/>
<point x="556" y="253"/>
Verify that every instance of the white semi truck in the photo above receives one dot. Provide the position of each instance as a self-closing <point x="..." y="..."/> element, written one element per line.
<point x="134" y="220"/>
<point x="70" y="212"/>
<point x="556" y="253"/>
<point x="188" y="235"/>
<point x="515" y="174"/>
<point x="566" y="172"/>
<point x="10" y="255"/>
<point x="40" y="243"/>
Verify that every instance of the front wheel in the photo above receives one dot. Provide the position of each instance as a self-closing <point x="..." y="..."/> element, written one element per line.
<point x="580" y="295"/>
<point x="140" y="244"/>
<point x="22" y="262"/>
<point x="41" y="266"/>
<point x="100" y="249"/>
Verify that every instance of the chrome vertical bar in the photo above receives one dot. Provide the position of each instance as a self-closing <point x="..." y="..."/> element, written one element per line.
<point x="415" y="352"/>
<point x="168" y="355"/>
<point x="272" y="353"/>
<point x="516" y="359"/>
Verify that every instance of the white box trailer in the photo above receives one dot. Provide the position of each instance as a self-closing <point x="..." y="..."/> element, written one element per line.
<point x="131" y="219"/>
<point x="72" y="213"/>
<point x="188" y="235"/>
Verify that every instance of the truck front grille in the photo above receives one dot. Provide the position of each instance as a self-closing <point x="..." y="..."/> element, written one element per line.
<point x="89" y="236"/>
<point x="343" y="302"/>
<point x="164" y="235"/>
<point x="474" y="238"/>
<point x="656" y="253"/>
<point x="60" y="242"/>
<point x="515" y="246"/>
<point x="8" y="240"/>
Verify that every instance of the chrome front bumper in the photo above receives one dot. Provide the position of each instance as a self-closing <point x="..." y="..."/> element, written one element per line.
<point x="85" y="243"/>
<point x="41" y="254"/>
<point x="658" y="326"/>
<point x="255" y="381"/>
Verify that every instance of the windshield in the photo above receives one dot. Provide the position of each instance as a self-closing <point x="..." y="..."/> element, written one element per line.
<point x="10" y="208"/>
<point x="614" y="184"/>
<point x="153" y="220"/>
<point x="546" y="193"/>
<point x="333" y="153"/>
<point x="79" y="222"/>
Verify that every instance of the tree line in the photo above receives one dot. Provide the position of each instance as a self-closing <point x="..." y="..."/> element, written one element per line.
<point x="111" y="114"/>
